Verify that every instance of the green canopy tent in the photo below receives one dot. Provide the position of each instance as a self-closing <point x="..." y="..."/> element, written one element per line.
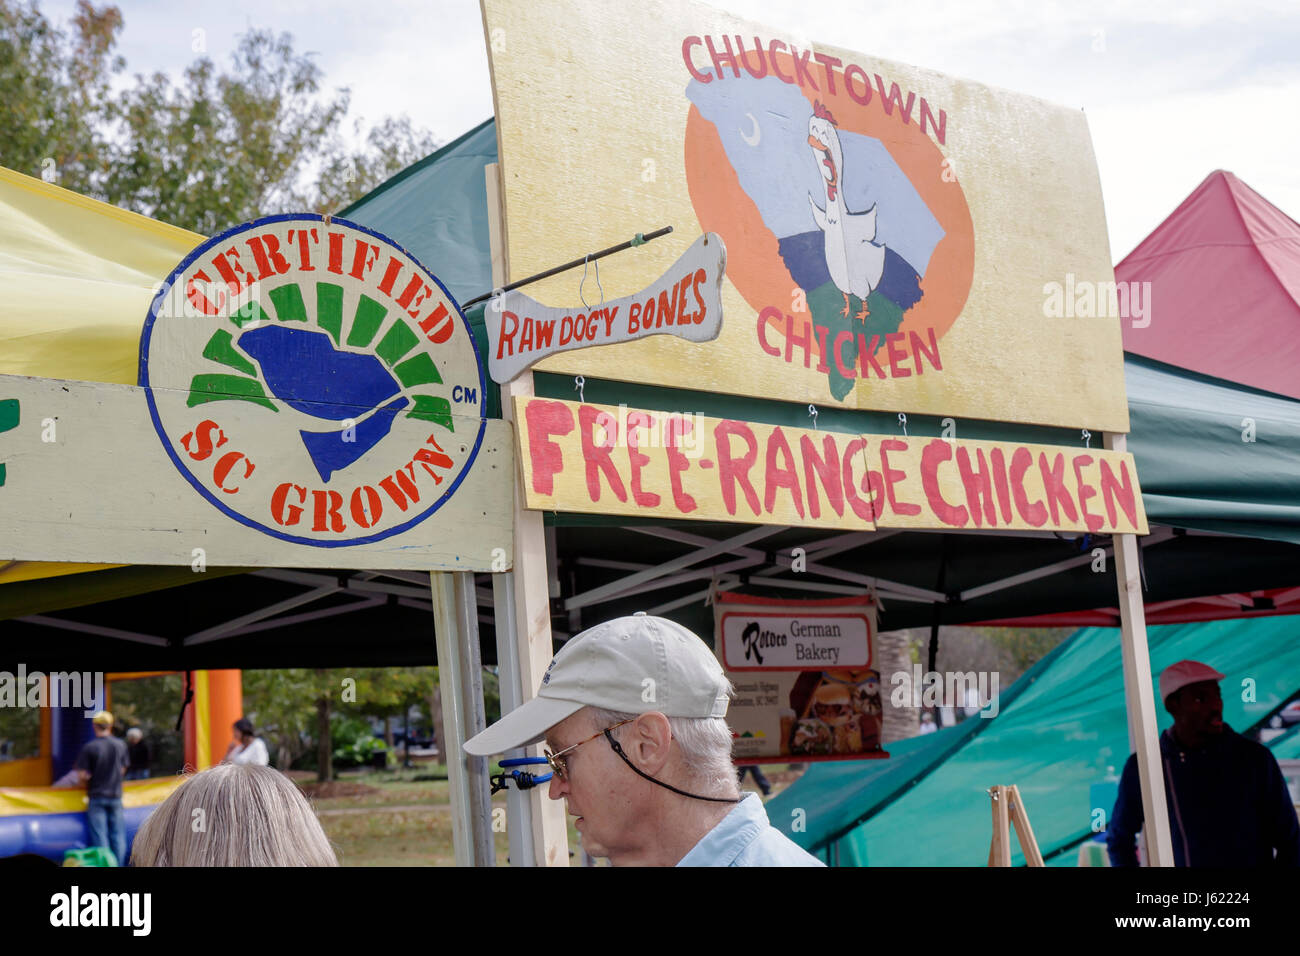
<point x="1060" y="729"/>
<point x="1222" y="519"/>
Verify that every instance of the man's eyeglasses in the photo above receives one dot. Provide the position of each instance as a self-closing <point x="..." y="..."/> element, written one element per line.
<point x="561" y="770"/>
<point x="557" y="761"/>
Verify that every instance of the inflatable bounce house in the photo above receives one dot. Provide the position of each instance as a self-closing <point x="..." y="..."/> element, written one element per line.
<point x="42" y="813"/>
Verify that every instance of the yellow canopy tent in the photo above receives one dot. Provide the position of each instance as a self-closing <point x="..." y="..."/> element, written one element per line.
<point x="76" y="280"/>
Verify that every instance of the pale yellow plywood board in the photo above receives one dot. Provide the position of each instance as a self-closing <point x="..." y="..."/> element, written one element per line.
<point x="595" y="148"/>
<point x="88" y="479"/>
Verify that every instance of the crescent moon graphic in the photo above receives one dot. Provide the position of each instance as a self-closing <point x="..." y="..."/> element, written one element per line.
<point x="753" y="138"/>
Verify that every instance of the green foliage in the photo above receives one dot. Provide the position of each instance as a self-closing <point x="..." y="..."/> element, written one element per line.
<point x="491" y="695"/>
<point x="353" y="742"/>
<point x="388" y="691"/>
<point x="152" y="704"/>
<point x="54" y="92"/>
<point x="1027" y="645"/>
<point x="216" y="149"/>
<point x="20" y="731"/>
<point x="284" y="706"/>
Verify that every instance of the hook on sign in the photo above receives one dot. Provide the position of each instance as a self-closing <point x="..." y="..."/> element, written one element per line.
<point x="812" y="411"/>
<point x="1087" y="438"/>
<point x="579" y="384"/>
<point x="902" y="420"/>
<point x="585" y="261"/>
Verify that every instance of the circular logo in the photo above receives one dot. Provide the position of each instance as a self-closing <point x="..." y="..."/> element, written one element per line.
<point x="313" y="381"/>
<point x="844" y="221"/>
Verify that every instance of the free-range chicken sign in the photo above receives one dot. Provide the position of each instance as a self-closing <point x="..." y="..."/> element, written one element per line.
<point x="886" y="247"/>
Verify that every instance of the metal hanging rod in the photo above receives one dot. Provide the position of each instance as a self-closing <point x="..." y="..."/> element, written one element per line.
<point x="638" y="240"/>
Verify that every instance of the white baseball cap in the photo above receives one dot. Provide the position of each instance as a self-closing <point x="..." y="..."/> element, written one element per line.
<point x="633" y="665"/>
<point x="1177" y="676"/>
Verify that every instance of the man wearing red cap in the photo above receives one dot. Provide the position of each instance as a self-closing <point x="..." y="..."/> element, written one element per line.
<point x="1228" y="803"/>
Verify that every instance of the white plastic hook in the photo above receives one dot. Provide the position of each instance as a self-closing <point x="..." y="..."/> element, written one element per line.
<point x="578" y="384"/>
<point x="902" y="420"/>
<point x="1087" y="438"/>
<point x="812" y="410"/>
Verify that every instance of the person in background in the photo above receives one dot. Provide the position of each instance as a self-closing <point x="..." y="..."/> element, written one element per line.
<point x="927" y="723"/>
<point x="247" y="747"/>
<point x="234" y="815"/>
<point x="100" y="765"/>
<point x="1228" y="802"/>
<point x="759" y="777"/>
<point x="138" y="751"/>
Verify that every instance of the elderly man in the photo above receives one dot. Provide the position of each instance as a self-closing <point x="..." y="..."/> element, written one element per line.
<point x="1228" y="803"/>
<point x="632" y="712"/>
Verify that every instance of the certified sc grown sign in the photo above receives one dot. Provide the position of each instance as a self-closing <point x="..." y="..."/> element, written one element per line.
<point x="313" y="381"/>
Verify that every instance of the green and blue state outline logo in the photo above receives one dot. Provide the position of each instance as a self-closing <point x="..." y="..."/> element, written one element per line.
<point x="313" y="381"/>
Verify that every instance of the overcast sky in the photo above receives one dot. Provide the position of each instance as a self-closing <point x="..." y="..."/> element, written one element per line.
<point x="1172" y="89"/>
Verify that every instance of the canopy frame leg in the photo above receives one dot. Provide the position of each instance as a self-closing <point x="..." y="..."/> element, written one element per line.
<point x="1138" y="694"/>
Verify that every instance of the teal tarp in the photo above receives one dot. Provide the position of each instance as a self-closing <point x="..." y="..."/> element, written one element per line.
<point x="1061" y="728"/>
<point x="437" y="211"/>
<point x="1212" y="455"/>
<point x="1286" y="747"/>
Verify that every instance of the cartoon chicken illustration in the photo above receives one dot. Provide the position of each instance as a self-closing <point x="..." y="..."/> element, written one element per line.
<point x="853" y="258"/>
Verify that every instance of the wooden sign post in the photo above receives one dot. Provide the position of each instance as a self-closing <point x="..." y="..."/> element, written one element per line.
<point x="523" y="611"/>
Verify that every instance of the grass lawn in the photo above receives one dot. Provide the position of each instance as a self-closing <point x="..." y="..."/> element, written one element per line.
<point x="403" y="817"/>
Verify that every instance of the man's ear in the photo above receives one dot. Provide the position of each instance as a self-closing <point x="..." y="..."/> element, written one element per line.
<point x="652" y="737"/>
<point x="1171" y="704"/>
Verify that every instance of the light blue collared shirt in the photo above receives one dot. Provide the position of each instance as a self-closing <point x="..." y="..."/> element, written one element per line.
<point x="746" y="837"/>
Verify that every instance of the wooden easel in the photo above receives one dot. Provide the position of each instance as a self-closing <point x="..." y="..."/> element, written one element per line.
<point x="1009" y="808"/>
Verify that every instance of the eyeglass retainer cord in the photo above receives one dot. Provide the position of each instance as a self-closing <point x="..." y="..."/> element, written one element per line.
<point x="694" y="796"/>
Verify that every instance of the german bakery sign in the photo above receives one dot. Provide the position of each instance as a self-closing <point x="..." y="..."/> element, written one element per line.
<point x="795" y="641"/>
<point x="309" y="394"/>
<point x="805" y="678"/>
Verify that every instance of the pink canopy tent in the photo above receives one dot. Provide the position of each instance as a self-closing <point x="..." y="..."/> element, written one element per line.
<point x="1224" y="300"/>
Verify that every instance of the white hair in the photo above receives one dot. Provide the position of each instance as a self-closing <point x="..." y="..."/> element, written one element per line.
<point x="705" y="744"/>
<point x="251" y="816"/>
<point x="135" y="733"/>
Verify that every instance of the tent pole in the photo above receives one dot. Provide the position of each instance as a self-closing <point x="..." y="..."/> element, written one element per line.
<point x="1138" y="693"/>
<point x="460" y="675"/>
<point x="519" y="830"/>
<point x="525" y="648"/>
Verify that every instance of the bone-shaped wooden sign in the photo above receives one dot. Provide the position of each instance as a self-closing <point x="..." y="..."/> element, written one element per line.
<point x="685" y="301"/>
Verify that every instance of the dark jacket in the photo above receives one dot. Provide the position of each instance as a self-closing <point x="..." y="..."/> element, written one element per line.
<point x="139" y="752"/>
<point x="1228" y="806"/>
<point x="105" y="759"/>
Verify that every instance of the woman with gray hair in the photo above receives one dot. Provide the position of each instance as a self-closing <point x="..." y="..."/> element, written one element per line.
<point x="233" y="815"/>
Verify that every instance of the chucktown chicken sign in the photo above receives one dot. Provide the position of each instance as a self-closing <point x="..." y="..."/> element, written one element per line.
<point x="886" y="247"/>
